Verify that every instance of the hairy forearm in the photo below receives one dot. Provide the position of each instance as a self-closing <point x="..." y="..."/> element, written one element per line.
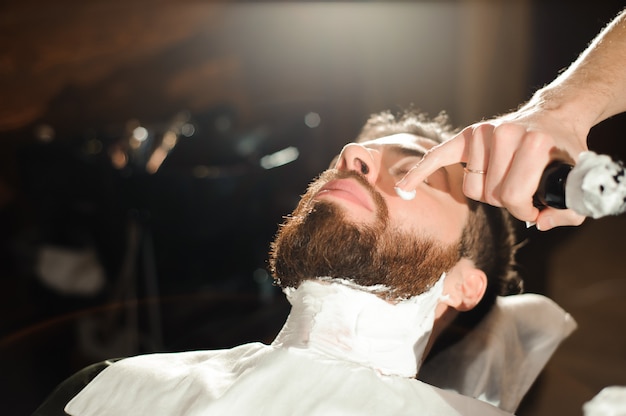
<point x="592" y="88"/>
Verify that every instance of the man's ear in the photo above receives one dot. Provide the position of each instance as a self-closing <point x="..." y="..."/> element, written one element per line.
<point x="464" y="286"/>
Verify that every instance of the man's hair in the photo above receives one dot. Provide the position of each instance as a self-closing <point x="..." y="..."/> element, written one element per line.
<point x="438" y="129"/>
<point x="488" y="238"/>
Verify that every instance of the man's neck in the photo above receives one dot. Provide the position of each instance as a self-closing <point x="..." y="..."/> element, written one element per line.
<point x="356" y="326"/>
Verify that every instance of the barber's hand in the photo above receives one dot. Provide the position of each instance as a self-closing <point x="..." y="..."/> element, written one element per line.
<point x="505" y="158"/>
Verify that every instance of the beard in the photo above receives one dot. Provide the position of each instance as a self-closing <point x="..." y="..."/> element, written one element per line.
<point x="318" y="241"/>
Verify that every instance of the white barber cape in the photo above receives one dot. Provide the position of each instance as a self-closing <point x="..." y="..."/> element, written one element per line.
<point x="342" y="351"/>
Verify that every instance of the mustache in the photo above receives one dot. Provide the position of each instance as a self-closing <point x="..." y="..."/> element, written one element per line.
<point x="335" y="174"/>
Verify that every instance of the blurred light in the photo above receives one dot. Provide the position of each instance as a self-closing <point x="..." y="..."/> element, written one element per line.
<point x="312" y="120"/>
<point x="138" y="137"/>
<point x="140" y="133"/>
<point x="182" y="117"/>
<point x="280" y="158"/>
<point x="119" y="159"/>
<point x="160" y="153"/>
<point x="156" y="159"/>
<point x="44" y="132"/>
<point x="248" y="145"/>
<point x="169" y="140"/>
<point x="188" y="130"/>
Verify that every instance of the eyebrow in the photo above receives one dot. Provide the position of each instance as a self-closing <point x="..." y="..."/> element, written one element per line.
<point x="407" y="149"/>
<point x="415" y="150"/>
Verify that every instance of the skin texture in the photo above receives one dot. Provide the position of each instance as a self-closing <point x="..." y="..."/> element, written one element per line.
<point x="515" y="148"/>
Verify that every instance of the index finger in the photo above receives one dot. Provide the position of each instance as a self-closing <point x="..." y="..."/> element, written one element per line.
<point x="444" y="154"/>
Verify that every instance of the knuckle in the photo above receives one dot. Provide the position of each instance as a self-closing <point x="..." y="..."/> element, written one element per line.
<point x="512" y="198"/>
<point x="518" y="204"/>
<point x="491" y="192"/>
<point x="492" y="199"/>
<point x="482" y="130"/>
<point x="508" y="130"/>
<point x="522" y="215"/>
<point x="537" y="141"/>
<point x="508" y="196"/>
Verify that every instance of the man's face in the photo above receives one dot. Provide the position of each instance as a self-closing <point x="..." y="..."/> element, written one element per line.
<point x="439" y="209"/>
<point x="352" y="224"/>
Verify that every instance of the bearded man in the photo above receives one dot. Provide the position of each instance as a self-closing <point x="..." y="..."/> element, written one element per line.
<point x="377" y="284"/>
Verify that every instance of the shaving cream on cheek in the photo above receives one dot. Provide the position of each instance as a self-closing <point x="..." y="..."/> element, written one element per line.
<point x="406" y="195"/>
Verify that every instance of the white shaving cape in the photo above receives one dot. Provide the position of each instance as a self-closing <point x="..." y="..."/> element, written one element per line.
<point x="293" y="376"/>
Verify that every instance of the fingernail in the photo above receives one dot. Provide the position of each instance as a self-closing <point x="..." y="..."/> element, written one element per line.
<point x="406" y="195"/>
<point x="547" y="223"/>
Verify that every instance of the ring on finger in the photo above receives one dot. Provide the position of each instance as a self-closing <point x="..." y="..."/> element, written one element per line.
<point x="477" y="171"/>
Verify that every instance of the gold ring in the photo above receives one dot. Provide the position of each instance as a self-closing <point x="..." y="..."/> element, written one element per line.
<point x="480" y="172"/>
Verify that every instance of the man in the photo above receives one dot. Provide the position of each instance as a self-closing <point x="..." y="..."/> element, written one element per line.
<point x="375" y="283"/>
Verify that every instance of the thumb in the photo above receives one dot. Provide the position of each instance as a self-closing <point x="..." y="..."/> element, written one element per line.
<point x="550" y="218"/>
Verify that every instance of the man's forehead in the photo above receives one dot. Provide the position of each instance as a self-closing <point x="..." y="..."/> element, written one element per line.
<point x="402" y="141"/>
<point x="405" y="140"/>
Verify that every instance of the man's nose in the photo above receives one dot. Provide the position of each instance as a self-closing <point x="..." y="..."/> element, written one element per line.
<point x="359" y="159"/>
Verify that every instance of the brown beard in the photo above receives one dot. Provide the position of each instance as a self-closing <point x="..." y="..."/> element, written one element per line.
<point x="318" y="241"/>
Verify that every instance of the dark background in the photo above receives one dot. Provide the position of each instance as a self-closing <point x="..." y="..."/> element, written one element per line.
<point x="181" y="244"/>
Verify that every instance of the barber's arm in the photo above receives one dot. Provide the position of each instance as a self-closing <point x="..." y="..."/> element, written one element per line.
<point x="506" y="156"/>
